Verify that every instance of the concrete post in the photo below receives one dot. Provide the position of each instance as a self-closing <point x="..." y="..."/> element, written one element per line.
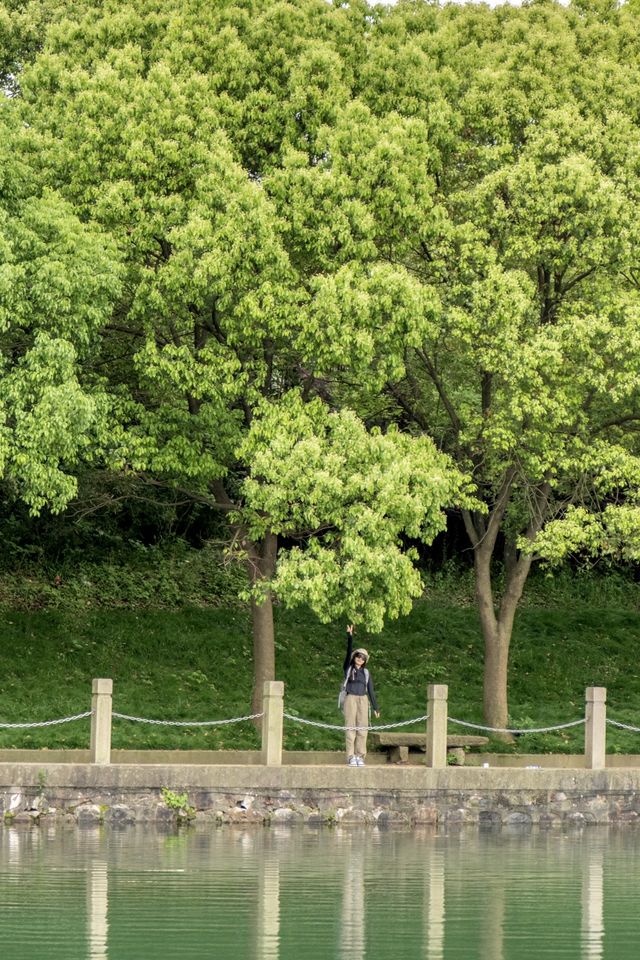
<point x="272" y="710"/>
<point x="101" y="721"/>
<point x="437" y="696"/>
<point x="595" y="730"/>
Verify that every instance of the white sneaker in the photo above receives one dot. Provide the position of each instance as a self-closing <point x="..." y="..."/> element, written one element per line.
<point x="359" y="761"/>
<point x="352" y="761"/>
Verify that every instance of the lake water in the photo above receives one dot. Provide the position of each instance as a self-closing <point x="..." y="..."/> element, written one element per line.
<point x="348" y="893"/>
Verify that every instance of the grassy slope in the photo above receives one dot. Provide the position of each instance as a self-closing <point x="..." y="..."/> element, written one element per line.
<point x="195" y="663"/>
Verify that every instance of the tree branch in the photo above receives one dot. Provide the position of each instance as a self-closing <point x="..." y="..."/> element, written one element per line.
<point x="487" y="383"/>
<point x="496" y="515"/>
<point x="411" y="412"/>
<point x="433" y="373"/>
<point x="578" y="279"/>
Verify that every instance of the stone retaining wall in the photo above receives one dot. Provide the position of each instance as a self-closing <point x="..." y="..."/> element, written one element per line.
<point x="122" y="793"/>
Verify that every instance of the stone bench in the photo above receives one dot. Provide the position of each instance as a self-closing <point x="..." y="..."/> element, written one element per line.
<point x="398" y="745"/>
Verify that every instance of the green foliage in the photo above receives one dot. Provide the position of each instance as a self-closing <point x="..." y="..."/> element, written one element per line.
<point x="198" y="659"/>
<point x="168" y="575"/>
<point x="58" y="279"/>
<point x="351" y="493"/>
<point x="612" y="533"/>
<point x="178" y="802"/>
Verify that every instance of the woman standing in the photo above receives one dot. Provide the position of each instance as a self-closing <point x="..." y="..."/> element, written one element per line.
<point x="359" y="691"/>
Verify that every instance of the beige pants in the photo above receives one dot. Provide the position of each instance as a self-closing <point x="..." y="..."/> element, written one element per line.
<point x="356" y="714"/>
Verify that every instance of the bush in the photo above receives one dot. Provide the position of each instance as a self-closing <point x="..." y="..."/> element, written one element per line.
<point x="169" y="575"/>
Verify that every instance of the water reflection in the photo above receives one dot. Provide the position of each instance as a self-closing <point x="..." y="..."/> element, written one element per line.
<point x="279" y="894"/>
<point x="97" y="909"/>
<point x="434" y="907"/>
<point x="593" y="907"/>
<point x="268" y="912"/>
<point x="352" y="938"/>
<point x="491" y="939"/>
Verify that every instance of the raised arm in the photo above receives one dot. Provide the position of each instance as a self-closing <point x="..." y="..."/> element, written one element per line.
<point x="347" y="659"/>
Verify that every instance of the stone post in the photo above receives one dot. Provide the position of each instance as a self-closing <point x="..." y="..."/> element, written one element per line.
<point x="101" y="721"/>
<point x="437" y="696"/>
<point x="595" y="729"/>
<point x="272" y="710"/>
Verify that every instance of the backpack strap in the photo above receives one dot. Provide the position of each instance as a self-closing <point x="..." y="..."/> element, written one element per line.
<point x="346" y="677"/>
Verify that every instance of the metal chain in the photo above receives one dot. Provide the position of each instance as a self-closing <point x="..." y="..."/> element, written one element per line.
<point x="478" y="726"/>
<point x="44" y="723"/>
<point x="186" y="723"/>
<point x="335" y="726"/>
<point x="407" y="723"/>
<point x="311" y="723"/>
<point x="623" y="726"/>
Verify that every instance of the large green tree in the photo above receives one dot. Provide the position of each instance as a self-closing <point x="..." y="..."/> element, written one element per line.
<point x="530" y="379"/>
<point x="173" y="127"/>
<point x="493" y="155"/>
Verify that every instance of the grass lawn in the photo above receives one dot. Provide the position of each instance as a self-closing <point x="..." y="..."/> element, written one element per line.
<point x="195" y="664"/>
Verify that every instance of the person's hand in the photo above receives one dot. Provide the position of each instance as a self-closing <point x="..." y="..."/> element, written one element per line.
<point x="350" y="628"/>
<point x="376" y="714"/>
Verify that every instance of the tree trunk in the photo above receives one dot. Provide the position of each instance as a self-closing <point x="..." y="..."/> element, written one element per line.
<point x="496" y="661"/>
<point x="262" y="564"/>
<point x="496" y="646"/>
<point x="496" y="630"/>
<point x="497" y="627"/>
<point x="264" y="661"/>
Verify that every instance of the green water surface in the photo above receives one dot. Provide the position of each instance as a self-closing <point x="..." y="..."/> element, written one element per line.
<point x="303" y="893"/>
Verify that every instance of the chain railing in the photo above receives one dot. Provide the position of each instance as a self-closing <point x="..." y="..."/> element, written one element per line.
<point x="273" y="715"/>
<point x="186" y="723"/>
<point x="311" y="723"/>
<point x="518" y="731"/>
<point x="45" y="723"/>
<point x="463" y="723"/>
<point x="336" y="726"/>
<point x="623" y="726"/>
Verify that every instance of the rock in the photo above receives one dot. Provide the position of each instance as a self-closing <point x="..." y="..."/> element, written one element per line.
<point x="424" y="814"/>
<point x="388" y="818"/>
<point x="458" y="816"/>
<point x="89" y="814"/>
<point x="119" y="813"/>
<point x="517" y="817"/>
<point x="164" y="814"/>
<point x="490" y="817"/>
<point x="24" y="816"/>
<point x="351" y="815"/>
<point x="286" y="815"/>
<point x="14" y="804"/>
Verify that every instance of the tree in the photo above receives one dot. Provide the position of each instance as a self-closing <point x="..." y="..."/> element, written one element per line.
<point x="530" y="378"/>
<point x="168" y="127"/>
<point x="491" y="153"/>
